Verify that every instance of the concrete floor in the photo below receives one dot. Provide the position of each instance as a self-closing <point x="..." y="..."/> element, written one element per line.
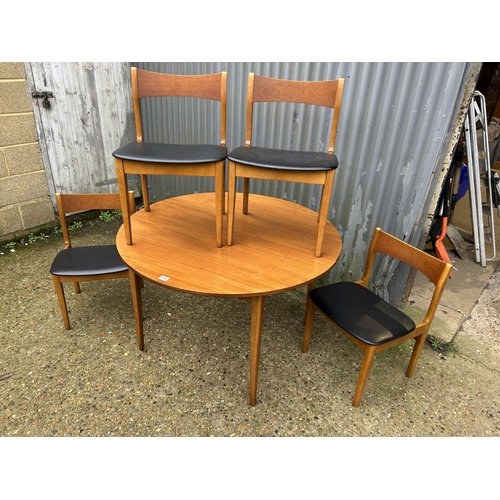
<point x="468" y="282"/>
<point x="192" y="381"/>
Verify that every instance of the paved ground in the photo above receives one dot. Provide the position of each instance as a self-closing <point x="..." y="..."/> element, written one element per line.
<point x="193" y="378"/>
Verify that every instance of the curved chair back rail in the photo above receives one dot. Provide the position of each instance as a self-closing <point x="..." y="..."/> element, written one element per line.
<point x="143" y="158"/>
<point x="151" y="84"/>
<point x="283" y="165"/>
<point x="327" y="93"/>
<point x="369" y="321"/>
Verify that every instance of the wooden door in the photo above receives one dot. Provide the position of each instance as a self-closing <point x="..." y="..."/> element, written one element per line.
<point x="83" y="112"/>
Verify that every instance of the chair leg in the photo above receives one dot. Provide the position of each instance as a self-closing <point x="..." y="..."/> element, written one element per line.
<point x="320" y="202"/>
<point x="326" y="196"/>
<point x="224" y="208"/>
<point x="246" y="189"/>
<point x="219" y="202"/>
<point x="76" y="285"/>
<point x="145" y="193"/>
<point x="417" y="349"/>
<point x="62" y="301"/>
<point x="231" y="200"/>
<point x="122" y="189"/>
<point x="366" y="365"/>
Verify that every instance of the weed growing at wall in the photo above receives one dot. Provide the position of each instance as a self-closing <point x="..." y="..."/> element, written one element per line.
<point x="32" y="238"/>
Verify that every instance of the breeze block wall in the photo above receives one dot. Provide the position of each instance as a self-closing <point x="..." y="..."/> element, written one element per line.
<point x="25" y="204"/>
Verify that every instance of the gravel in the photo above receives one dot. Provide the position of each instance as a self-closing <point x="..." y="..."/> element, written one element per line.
<point x="193" y="377"/>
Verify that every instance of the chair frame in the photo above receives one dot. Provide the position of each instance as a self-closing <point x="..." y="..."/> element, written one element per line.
<point x="72" y="203"/>
<point x="434" y="269"/>
<point x="326" y="93"/>
<point x="147" y="84"/>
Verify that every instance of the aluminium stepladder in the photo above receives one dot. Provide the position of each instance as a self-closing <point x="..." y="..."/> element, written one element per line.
<point x="478" y="162"/>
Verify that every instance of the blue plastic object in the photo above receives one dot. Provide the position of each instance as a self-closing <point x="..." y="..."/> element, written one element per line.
<point x="463" y="184"/>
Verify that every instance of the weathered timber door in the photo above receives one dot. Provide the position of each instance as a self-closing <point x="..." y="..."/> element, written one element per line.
<point x="83" y="112"/>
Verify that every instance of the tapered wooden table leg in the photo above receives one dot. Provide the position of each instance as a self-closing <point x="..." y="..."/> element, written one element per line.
<point x="136" y="284"/>
<point x="255" y="338"/>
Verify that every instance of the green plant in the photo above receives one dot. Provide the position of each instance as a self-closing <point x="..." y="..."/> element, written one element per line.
<point x="434" y="342"/>
<point x="75" y="225"/>
<point x="450" y="346"/>
<point x="106" y="216"/>
<point x="33" y="238"/>
<point x="440" y="345"/>
<point x="58" y="230"/>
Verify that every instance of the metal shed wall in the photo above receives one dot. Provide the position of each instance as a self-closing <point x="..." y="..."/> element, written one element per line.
<point x="395" y="126"/>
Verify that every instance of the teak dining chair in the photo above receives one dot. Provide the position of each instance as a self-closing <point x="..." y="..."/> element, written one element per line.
<point x="85" y="263"/>
<point x="369" y="321"/>
<point x="206" y="160"/>
<point x="308" y="167"/>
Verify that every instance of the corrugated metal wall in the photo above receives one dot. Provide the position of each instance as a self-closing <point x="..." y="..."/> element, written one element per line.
<point x="395" y="127"/>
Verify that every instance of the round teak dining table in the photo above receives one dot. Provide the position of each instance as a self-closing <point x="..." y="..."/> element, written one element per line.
<point x="273" y="251"/>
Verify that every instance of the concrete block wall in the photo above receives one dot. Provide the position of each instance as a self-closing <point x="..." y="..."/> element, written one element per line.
<point x="25" y="204"/>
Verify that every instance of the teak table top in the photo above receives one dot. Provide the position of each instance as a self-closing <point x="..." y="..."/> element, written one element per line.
<point x="273" y="251"/>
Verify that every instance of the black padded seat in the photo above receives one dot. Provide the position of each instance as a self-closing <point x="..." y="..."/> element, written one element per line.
<point x="171" y="153"/>
<point x="88" y="261"/>
<point x="362" y="313"/>
<point x="283" y="159"/>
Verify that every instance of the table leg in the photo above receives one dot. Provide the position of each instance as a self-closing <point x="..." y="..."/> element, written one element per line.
<point x="136" y="285"/>
<point x="310" y="286"/>
<point x="255" y="338"/>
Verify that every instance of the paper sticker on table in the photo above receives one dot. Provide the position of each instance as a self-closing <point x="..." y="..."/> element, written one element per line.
<point x="164" y="278"/>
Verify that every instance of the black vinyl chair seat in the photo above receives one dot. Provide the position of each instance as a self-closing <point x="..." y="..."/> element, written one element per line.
<point x="88" y="261"/>
<point x="171" y="153"/>
<point x="283" y="159"/>
<point x="362" y="313"/>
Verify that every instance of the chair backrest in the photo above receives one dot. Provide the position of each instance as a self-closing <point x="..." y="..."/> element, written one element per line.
<point x="436" y="270"/>
<point x="326" y="93"/>
<point x="73" y="203"/>
<point x="152" y="84"/>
